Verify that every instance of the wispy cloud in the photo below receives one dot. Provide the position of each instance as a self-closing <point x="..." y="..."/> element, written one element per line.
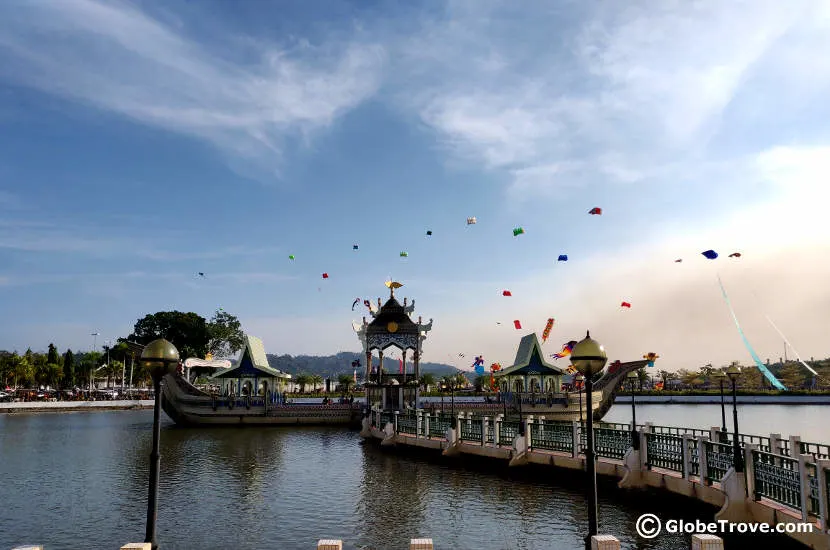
<point x="608" y="91"/>
<point x="112" y="55"/>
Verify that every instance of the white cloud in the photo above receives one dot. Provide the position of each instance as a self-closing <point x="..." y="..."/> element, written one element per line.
<point x="610" y="91"/>
<point x="115" y="57"/>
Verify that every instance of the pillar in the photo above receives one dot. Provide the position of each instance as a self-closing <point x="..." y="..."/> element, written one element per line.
<point x="329" y="544"/>
<point x="605" y="542"/>
<point x="705" y="541"/>
<point x="129" y="546"/>
<point x="421" y="544"/>
<point x="380" y="365"/>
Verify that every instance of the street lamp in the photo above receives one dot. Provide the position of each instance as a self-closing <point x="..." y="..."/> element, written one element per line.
<point x="588" y="357"/>
<point x="521" y="423"/>
<point x="160" y="357"/>
<point x="721" y="377"/>
<point x="579" y="384"/>
<point x="733" y="372"/>
<point x="635" y="440"/>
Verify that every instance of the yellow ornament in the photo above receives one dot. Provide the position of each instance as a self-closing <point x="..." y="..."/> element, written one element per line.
<point x="392" y="326"/>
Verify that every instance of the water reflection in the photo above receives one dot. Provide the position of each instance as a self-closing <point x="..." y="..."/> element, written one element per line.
<point x="80" y="480"/>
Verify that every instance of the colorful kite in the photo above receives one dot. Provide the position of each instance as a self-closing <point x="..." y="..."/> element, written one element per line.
<point x="571" y="369"/>
<point x="472" y="221"/>
<point x="517" y="324"/>
<point x="566" y="350"/>
<point x="651" y="357"/>
<point x="506" y="293"/>
<point x="518" y="231"/>
<point x="404" y="255"/>
<point x="562" y="258"/>
<point x="291" y="256"/>
<point x="546" y="332"/>
<point x="625" y="304"/>
<point x="595" y="211"/>
<point x="368" y="304"/>
<point x="478" y="365"/>
<point x="356" y="301"/>
<point x="711" y="254"/>
<point x="735" y="255"/>
<point x="325" y="275"/>
<point x="658" y="386"/>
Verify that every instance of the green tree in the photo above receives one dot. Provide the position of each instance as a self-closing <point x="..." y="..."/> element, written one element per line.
<point x="225" y="336"/>
<point x="187" y="331"/>
<point x="68" y="369"/>
<point x="316" y="380"/>
<point x="24" y="374"/>
<point x="345" y="381"/>
<point x="302" y="380"/>
<point x="53" y="375"/>
<point x="427" y="380"/>
<point x="793" y="375"/>
<point x="52" y="356"/>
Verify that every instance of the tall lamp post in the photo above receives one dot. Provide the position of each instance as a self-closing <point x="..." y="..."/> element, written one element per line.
<point x="579" y="379"/>
<point x="160" y="357"/>
<point x="723" y="432"/>
<point x="635" y="440"/>
<point x="589" y="358"/>
<point x="733" y="373"/>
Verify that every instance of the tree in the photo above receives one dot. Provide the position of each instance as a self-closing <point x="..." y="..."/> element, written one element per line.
<point x="427" y="380"/>
<point x="68" y="369"/>
<point x="302" y="380"/>
<point x="53" y="374"/>
<point x="52" y="356"/>
<point x="316" y="380"/>
<point x="792" y="375"/>
<point x="345" y="381"/>
<point x="481" y="382"/>
<point x="187" y="331"/>
<point x="225" y="336"/>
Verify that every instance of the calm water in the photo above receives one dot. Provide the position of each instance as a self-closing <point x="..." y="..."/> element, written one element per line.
<point x="78" y="480"/>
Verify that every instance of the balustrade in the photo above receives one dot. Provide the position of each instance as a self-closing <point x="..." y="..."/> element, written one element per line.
<point x="719" y="458"/>
<point x="777" y="478"/>
<point x="471" y="431"/>
<point x="664" y="451"/>
<point x="552" y="436"/>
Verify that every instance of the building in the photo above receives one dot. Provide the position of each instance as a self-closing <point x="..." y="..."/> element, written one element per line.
<point x="251" y="375"/>
<point x="530" y="372"/>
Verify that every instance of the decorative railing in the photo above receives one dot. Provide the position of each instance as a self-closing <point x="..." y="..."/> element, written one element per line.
<point x="611" y="442"/>
<point x="508" y="432"/>
<point x="675" y="430"/>
<point x="664" y="451"/>
<point x="438" y="426"/>
<point x="471" y="430"/>
<point x="818" y="450"/>
<point x="694" y="457"/>
<point x="407" y="424"/>
<point x="777" y="478"/>
<point x="719" y="458"/>
<point x="553" y="436"/>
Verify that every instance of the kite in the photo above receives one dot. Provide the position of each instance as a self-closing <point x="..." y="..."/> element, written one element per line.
<point x="791" y="346"/>
<point x="658" y="386"/>
<point x="354" y="247"/>
<point x="595" y="211"/>
<point x="291" y="256"/>
<point x="771" y="377"/>
<point x="566" y="350"/>
<point x="461" y="355"/>
<point x="546" y="332"/>
<point x="518" y="231"/>
<point x="356" y="363"/>
<point x="562" y="258"/>
<point x="325" y="275"/>
<point x="478" y="365"/>
<point x="625" y="304"/>
<point x="356" y="301"/>
<point x="678" y="260"/>
<point x="711" y="254"/>
<point x="735" y="255"/>
<point x="201" y="274"/>
<point x="368" y="304"/>
<point x="404" y="254"/>
<point x="472" y="221"/>
<point x="571" y="369"/>
<point x="429" y="233"/>
<point x="506" y="293"/>
<point x="517" y="324"/>
<point x="651" y="357"/>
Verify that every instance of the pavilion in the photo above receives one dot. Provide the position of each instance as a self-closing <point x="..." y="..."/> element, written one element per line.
<point x="252" y="375"/>
<point x="530" y="372"/>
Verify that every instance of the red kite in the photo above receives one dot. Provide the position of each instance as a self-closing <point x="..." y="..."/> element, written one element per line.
<point x="517" y="324"/>
<point x="506" y="293"/>
<point x="325" y="275"/>
<point x="678" y="260"/>
<point x="735" y="255"/>
<point x="625" y="304"/>
<point x="595" y="211"/>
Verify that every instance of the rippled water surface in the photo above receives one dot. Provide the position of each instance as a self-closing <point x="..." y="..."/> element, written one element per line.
<point x="79" y="480"/>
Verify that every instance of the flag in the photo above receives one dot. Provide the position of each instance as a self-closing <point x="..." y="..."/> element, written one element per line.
<point x="400" y="366"/>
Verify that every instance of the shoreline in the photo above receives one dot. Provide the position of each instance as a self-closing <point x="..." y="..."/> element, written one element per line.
<point x="714" y="399"/>
<point x="73" y="406"/>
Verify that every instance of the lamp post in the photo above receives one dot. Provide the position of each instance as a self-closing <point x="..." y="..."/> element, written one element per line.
<point x="579" y="379"/>
<point x="92" y="367"/>
<point x="733" y="373"/>
<point x="589" y="358"/>
<point x="452" y="397"/>
<point x="160" y="357"/>
<point x="521" y="423"/>
<point x="723" y="432"/>
<point x="635" y="440"/>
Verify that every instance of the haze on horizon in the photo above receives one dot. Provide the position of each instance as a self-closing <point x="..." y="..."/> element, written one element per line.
<point x="144" y="142"/>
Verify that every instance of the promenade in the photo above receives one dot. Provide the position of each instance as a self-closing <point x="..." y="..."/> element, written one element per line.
<point x="69" y="406"/>
<point x="784" y="482"/>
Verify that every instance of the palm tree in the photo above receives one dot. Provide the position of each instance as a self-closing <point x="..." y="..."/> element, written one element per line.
<point x="302" y="380"/>
<point x="345" y="381"/>
<point x="316" y="380"/>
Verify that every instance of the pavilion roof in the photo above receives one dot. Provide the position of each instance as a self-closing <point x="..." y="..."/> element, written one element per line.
<point x="530" y="360"/>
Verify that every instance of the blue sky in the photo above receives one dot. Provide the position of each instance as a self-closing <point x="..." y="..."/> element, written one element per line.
<point x="143" y="142"/>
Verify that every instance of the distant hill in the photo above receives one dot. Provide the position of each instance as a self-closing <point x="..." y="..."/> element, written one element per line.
<point x="341" y="363"/>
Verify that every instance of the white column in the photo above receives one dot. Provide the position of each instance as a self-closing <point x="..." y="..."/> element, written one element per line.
<point x="418" y="423"/>
<point x="396" y="420"/>
<point x="575" y="428"/>
<point x="687" y="456"/>
<point x="703" y="469"/>
<point x="795" y="446"/>
<point x="426" y="425"/>
<point x="484" y="425"/>
<point x="803" y="474"/>
<point x="497" y="429"/>
<point x="421" y="544"/>
<point x="821" y="466"/>
<point x="605" y="542"/>
<point x="749" y="469"/>
<point x="329" y="544"/>
<point x="705" y="541"/>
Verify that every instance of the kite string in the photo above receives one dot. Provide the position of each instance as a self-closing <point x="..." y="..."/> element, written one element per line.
<point x="771" y="377"/>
